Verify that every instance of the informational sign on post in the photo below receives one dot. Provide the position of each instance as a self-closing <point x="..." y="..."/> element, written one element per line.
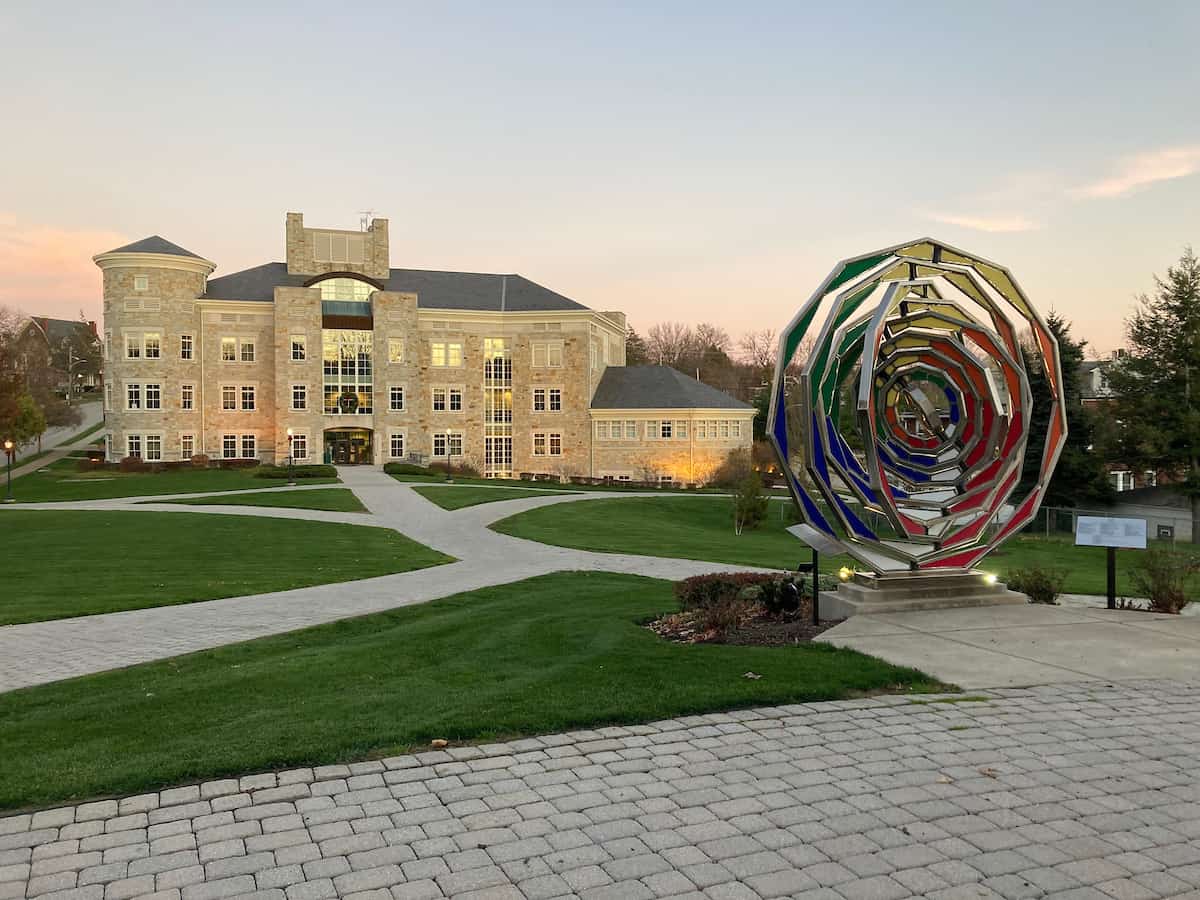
<point x="1111" y="533"/>
<point x="1105" y="531"/>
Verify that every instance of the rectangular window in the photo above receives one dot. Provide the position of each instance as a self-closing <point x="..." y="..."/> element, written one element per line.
<point x="248" y="446"/>
<point x="107" y="396"/>
<point x="396" y="398"/>
<point x="681" y="430"/>
<point x="247" y="351"/>
<point x="141" y="282"/>
<point x="185" y="346"/>
<point x="299" y="396"/>
<point x="348" y="386"/>
<point x="395" y="350"/>
<point x="107" y="344"/>
<point x="445" y="353"/>
<point x="133" y="396"/>
<point x="154" y="396"/>
<point x="396" y="445"/>
<point x="439" y="399"/>
<point x="229" y="446"/>
<point x="299" y="352"/>
<point x="665" y="429"/>
<point x="133" y="346"/>
<point x="133" y="445"/>
<point x="153" y="447"/>
<point x="555" y="444"/>
<point x="631" y="430"/>
<point x="735" y="429"/>
<point x="547" y="355"/>
<point x="247" y="397"/>
<point x="228" y="349"/>
<point x="299" y="446"/>
<point x="228" y="396"/>
<point x="455" y="400"/>
<point x="539" y="399"/>
<point x="652" y="431"/>
<point x="187" y="446"/>
<point x="555" y="399"/>
<point x="725" y="429"/>
<point x="539" y="444"/>
<point x="444" y="442"/>
<point x="602" y="431"/>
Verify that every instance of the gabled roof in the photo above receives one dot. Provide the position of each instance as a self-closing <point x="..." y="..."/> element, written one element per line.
<point x="475" y="291"/>
<point x="155" y="244"/>
<point x="658" y="387"/>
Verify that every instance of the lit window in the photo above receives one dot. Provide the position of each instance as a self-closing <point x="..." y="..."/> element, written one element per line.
<point x="348" y="381"/>
<point x="556" y="444"/>
<point x="396" y="398"/>
<point x="299" y="396"/>
<point x="153" y="447"/>
<point x="539" y="444"/>
<point x="133" y="445"/>
<point x="396" y="445"/>
<point x="133" y="396"/>
<point x="187" y="446"/>
<point x="395" y="350"/>
<point x="539" y="399"/>
<point x="153" y="344"/>
<point x="346" y="289"/>
<point x="228" y="396"/>
<point x="133" y="346"/>
<point x="555" y="399"/>
<point x="443" y="353"/>
<point x="229" y="446"/>
<point x="299" y="353"/>
<point x="141" y="283"/>
<point x="247" y="397"/>
<point x="299" y="446"/>
<point x="185" y="346"/>
<point x="247" y="351"/>
<point x="228" y="349"/>
<point x="153" y="396"/>
<point x="248" y="446"/>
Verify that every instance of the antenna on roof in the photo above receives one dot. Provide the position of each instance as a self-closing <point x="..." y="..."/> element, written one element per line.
<point x="364" y="219"/>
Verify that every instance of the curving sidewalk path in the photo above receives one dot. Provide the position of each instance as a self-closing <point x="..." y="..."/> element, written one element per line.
<point x="42" y="652"/>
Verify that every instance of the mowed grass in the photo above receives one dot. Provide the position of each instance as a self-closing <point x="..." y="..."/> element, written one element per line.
<point x="552" y="653"/>
<point x="330" y="499"/>
<point x="458" y="497"/>
<point x="63" y="481"/>
<point x="702" y="528"/>
<point x="83" y="562"/>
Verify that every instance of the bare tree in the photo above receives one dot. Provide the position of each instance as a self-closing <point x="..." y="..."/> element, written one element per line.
<point x="711" y="337"/>
<point x="669" y="343"/>
<point x="758" y="348"/>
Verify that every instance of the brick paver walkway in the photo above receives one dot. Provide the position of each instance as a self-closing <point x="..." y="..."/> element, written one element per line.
<point x="1077" y="791"/>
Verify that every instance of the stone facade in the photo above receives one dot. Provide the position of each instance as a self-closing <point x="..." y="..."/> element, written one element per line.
<point x="193" y="371"/>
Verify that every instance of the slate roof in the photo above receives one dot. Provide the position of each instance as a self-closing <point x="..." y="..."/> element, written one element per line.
<point x="155" y="244"/>
<point x="657" y="387"/>
<point x="474" y="291"/>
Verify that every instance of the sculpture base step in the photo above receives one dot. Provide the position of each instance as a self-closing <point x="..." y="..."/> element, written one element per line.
<point x="905" y="592"/>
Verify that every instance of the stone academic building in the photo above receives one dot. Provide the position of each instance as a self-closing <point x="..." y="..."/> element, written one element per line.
<point x="352" y="361"/>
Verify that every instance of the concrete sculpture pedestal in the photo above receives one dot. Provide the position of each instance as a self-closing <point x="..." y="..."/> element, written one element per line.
<point x="867" y="592"/>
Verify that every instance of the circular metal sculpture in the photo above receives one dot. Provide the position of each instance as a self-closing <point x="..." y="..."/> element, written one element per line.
<point x="901" y="407"/>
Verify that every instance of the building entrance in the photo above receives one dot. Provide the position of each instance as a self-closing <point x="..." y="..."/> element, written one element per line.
<point x="351" y="447"/>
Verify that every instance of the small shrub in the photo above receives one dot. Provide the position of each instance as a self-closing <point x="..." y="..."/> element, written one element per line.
<point x="238" y="463"/>
<point x="200" y="460"/>
<point x="749" y="503"/>
<point x="778" y="599"/>
<point x="733" y="469"/>
<point x="312" y="471"/>
<point x="1161" y="575"/>
<point x="724" y="615"/>
<point x="702" y="591"/>
<point x="133" y="464"/>
<point x="398" y="468"/>
<point x="1040" y="585"/>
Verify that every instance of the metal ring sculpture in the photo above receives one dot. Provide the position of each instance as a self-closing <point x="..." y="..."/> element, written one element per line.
<point x="901" y="406"/>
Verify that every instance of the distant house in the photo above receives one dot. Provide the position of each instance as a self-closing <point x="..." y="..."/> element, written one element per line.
<point x="1167" y="511"/>
<point x="1095" y="393"/>
<point x="71" y="348"/>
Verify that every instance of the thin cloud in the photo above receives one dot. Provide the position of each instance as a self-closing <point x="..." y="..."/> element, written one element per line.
<point x="1143" y="169"/>
<point x="997" y="224"/>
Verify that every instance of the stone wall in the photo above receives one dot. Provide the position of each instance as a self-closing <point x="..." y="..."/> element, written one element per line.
<point x="300" y="260"/>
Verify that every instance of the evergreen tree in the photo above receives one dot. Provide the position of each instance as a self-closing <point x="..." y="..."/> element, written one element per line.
<point x="1157" y="386"/>
<point x="635" y="349"/>
<point x="1079" y="478"/>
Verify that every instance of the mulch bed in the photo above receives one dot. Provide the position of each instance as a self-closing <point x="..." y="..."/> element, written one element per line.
<point x="756" y="628"/>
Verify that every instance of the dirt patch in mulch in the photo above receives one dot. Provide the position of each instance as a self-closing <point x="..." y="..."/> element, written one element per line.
<point x="756" y="628"/>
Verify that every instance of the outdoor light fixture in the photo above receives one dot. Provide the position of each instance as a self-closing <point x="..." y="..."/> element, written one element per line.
<point x="989" y="578"/>
<point x="291" y="482"/>
<point x="8" y="450"/>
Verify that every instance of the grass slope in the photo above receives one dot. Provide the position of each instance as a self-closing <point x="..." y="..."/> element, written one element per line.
<point x="459" y="497"/>
<point x="331" y="499"/>
<point x="537" y="656"/>
<point x="78" y="563"/>
<point x="62" y="481"/>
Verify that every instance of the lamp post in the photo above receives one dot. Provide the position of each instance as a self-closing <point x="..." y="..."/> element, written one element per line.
<point x="448" y="478"/>
<point x="291" y="482"/>
<point x="10" y="452"/>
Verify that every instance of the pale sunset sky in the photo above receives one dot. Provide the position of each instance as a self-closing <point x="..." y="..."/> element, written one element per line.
<point x="679" y="161"/>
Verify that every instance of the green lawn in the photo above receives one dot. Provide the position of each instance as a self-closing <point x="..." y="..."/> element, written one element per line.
<point x="458" y="497"/>
<point x="81" y="435"/>
<point x="333" y="499"/>
<point x="82" y="562"/>
<point x="434" y="477"/>
<point x="63" y="480"/>
<point x="556" y="652"/>
<point x="702" y="528"/>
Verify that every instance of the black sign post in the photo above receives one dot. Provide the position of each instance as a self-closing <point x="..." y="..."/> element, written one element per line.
<point x="1110" y="532"/>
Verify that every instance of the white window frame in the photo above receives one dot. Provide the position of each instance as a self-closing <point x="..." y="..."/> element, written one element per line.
<point x="186" y="438"/>
<point x="631" y="430"/>
<point x="130" y="440"/>
<point x="393" y="434"/>
<point x="392" y="388"/>
<point x="187" y="396"/>
<point x="553" y="438"/>
<point x="158" y="453"/>
<point x="226" y="388"/>
<point x="446" y="354"/>
<point x="449" y="439"/>
<point x="539" y="445"/>
<point x="133" y="345"/>
<point x="141" y="282"/>
<point x="551" y="395"/>
<point x="253" y="438"/>
<point x="146" y="336"/>
<point x="299" y="345"/>
<point x="108" y="395"/>
<point x="543" y="394"/>
<point x="601" y="429"/>
<point x="550" y="353"/>
<point x="146" y="395"/>
<point x="302" y="391"/>
<point x="230" y="343"/>
<point x="187" y="347"/>
<point x="133" y="389"/>
<point x="243" y="343"/>
<point x="242" y="389"/>
<point x="299" y="439"/>
<point x="225" y="439"/>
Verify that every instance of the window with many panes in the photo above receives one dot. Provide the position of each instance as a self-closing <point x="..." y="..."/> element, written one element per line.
<point x="445" y="353"/>
<point x="447" y="399"/>
<point x="229" y="445"/>
<point x="396" y="398"/>
<point x="631" y="429"/>
<point x="555" y="399"/>
<point x="396" y="445"/>
<point x="133" y="396"/>
<point x="555" y="444"/>
<point x="141" y="282"/>
<point x="346" y="363"/>
<point x="248" y="446"/>
<point x="299" y="396"/>
<point x="154" y="396"/>
<point x="547" y="354"/>
<point x="299" y="348"/>
<point x="247" y="397"/>
<point x="153" y="447"/>
<point x="152" y="345"/>
<point x="228" y="396"/>
<point x="185" y="346"/>
<point x="187" y="446"/>
<point x="246" y="351"/>
<point x="395" y="350"/>
<point x="228" y="349"/>
<point x="133" y="445"/>
<point x="444" y="443"/>
<point x="299" y="446"/>
<point x="539" y="444"/>
<point x="602" y="431"/>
